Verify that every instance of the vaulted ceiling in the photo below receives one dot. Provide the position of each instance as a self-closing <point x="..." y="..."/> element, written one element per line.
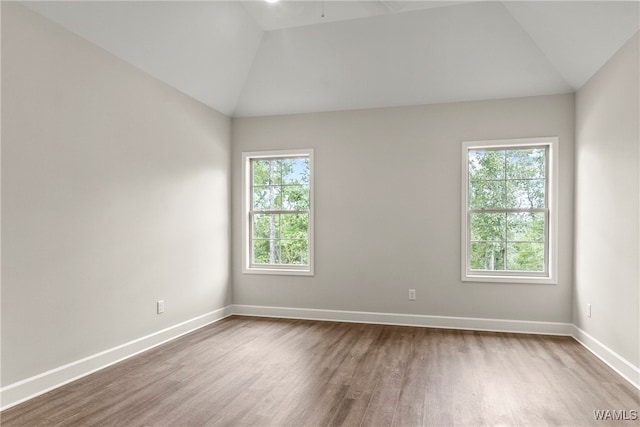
<point x="252" y="58"/>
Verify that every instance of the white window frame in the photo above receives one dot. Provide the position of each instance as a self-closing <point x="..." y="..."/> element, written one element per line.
<point x="247" y="267"/>
<point x="550" y="276"/>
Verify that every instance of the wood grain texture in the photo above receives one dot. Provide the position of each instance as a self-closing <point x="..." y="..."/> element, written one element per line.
<point x="245" y="371"/>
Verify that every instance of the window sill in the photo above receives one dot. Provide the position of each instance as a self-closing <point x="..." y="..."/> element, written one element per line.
<point x="278" y="271"/>
<point x="516" y="280"/>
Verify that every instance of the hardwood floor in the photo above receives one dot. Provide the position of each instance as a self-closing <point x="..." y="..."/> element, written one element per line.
<point x="246" y="371"/>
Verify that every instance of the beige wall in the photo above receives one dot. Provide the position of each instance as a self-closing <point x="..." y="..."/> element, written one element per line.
<point x="607" y="201"/>
<point x="388" y="208"/>
<point x="115" y="193"/>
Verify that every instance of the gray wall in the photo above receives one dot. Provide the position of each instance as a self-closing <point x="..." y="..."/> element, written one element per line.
<point x="115" y="193"/>
<point x="388" y="192"/>
<point x="607" y="201"/>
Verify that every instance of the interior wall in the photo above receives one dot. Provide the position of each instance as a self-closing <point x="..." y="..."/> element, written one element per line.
<point x="387" y="208"/>
<point x="607" y="203"/>
<point x="115" y="193"/>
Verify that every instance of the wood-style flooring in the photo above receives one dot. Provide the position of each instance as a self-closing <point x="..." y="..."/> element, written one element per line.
<point x="245" y="371"/>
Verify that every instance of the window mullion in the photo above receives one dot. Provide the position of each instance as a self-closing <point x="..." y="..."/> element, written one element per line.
<point x="515" y="210"/>
<point x="277" y="212"/>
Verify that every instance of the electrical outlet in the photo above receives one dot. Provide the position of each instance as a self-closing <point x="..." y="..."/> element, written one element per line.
<point x="588" y="310"/>
<point x="160" y="306"/>
<point x="412" y="294"/>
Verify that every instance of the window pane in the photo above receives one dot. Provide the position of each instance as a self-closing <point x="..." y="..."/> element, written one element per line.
<point x="295" y="171"/>
<point x="488" y="227"/>
<point x="267" y="197"/>
<point x="526" y="163"/>
<point x="295" y="197"/>
<point x="526" y="227"/>
<point x="526" y="194"/>
<point x="294" y="226"/>
<point x="266" y="226"/>
<point x="260" y="172"/>
<point x="266" y="172"/>
<point x="486" y="164"/>
<point x="486" y="256"/>
<point x="486" y="195"/>
<point x="294" y="252"/>
<point x="265" y="251"/>
<point x="524" y="256"/>
<point x="281" y="239"/>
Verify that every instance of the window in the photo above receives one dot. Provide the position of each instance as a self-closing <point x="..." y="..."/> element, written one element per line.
<point x="278" y="212"/>
<point x="510" y="211"/>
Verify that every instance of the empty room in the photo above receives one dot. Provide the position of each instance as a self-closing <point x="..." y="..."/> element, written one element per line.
<point x="320" y="213"/>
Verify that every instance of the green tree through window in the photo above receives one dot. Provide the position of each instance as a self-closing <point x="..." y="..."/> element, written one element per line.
<point x="507" y="209"/>
<point x="279" y="216"/>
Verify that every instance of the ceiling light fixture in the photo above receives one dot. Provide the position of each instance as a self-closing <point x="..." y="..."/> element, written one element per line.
<point x="272" y="1"/>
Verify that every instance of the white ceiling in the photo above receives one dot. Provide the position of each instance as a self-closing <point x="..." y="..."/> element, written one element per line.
<point x="290" y="14"/>
<point x="253" y="58"/>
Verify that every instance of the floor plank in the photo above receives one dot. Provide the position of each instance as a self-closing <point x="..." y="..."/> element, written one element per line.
<point x="245" y="371"/>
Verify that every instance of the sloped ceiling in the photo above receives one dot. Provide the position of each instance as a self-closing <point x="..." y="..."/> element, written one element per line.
<point x="253" y="58"/>
<point x="204" y="49"/>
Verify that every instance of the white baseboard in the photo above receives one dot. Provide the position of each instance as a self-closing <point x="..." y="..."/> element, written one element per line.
<point x="616" y="362"/>
<point x="29" y="388"/>
<point x="446" y="322"/>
